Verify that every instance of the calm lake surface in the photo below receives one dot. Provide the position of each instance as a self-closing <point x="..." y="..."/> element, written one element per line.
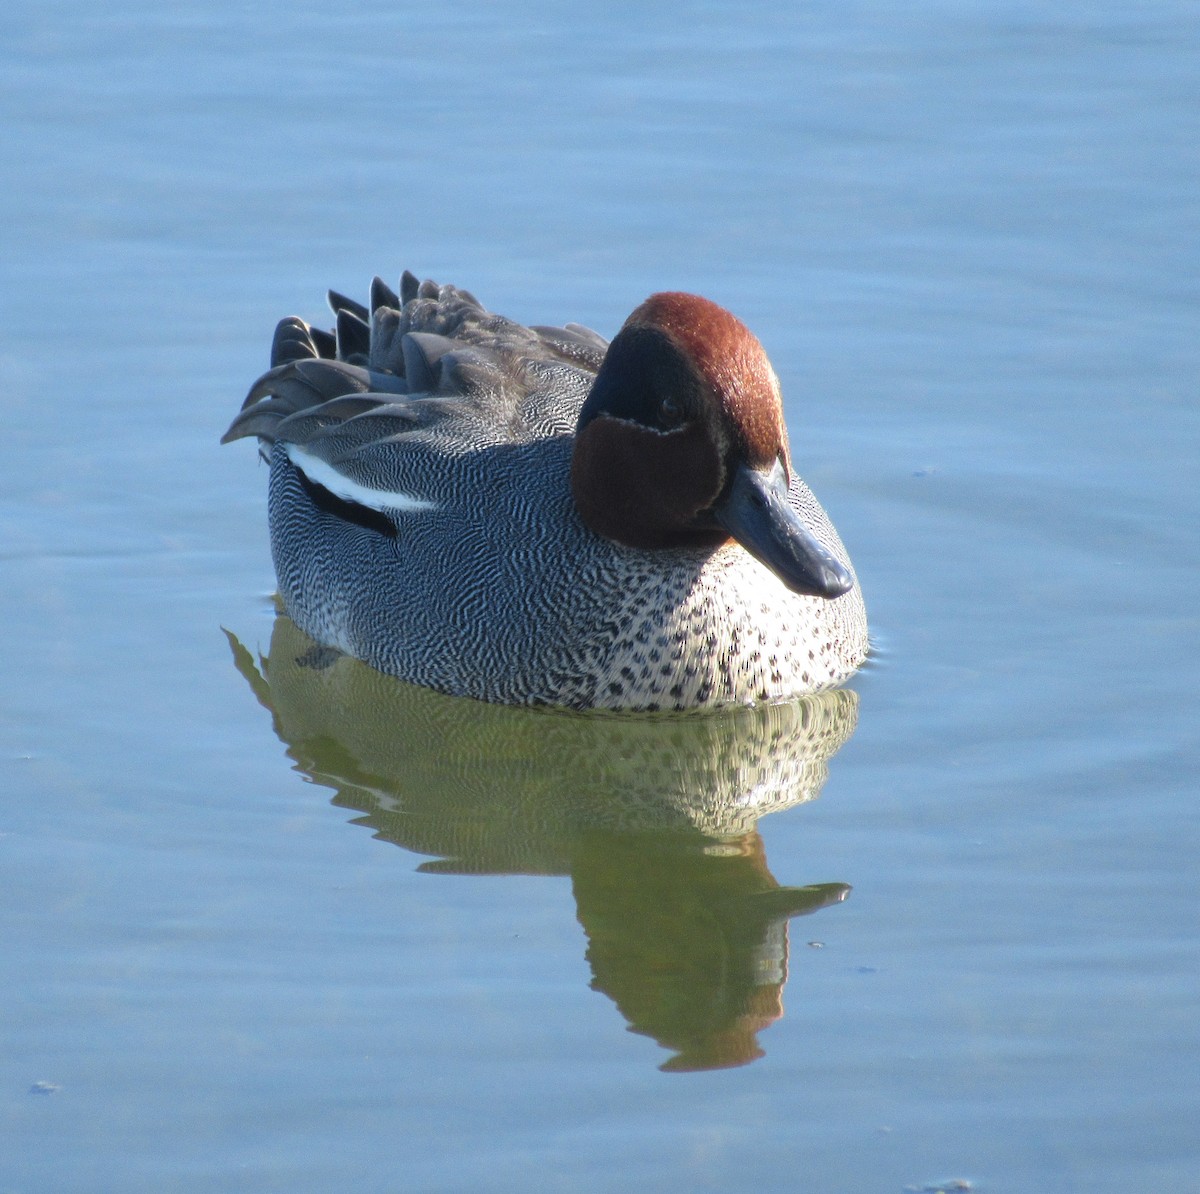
<point x="266" y="927"/>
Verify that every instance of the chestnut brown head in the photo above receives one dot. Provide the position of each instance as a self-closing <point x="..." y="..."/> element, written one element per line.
<point x="682" y="442"/>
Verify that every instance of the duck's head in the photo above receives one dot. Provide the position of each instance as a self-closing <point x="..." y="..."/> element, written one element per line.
<point x="682" y="442"/>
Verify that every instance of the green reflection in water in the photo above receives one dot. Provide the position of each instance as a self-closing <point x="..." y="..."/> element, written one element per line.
<point x="653" y="817"/>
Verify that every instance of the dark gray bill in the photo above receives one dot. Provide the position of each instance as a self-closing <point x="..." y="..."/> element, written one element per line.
<point x="756" y="513"/>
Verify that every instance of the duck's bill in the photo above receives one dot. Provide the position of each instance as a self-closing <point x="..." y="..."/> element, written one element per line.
<point x="756" y="513"/>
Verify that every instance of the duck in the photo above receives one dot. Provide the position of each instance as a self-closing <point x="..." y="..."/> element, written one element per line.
<point x="532" y="515"/>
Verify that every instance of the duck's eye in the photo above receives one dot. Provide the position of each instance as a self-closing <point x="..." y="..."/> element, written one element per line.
<point x="670" y="411"/>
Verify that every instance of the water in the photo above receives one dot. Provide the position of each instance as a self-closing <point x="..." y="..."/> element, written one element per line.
<point x="966" y="235"/>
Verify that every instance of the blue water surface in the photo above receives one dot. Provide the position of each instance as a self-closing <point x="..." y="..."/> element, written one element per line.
<point x="262" y="936"/>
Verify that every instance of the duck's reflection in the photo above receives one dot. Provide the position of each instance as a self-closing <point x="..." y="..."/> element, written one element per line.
<point x="652" y="817"/>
